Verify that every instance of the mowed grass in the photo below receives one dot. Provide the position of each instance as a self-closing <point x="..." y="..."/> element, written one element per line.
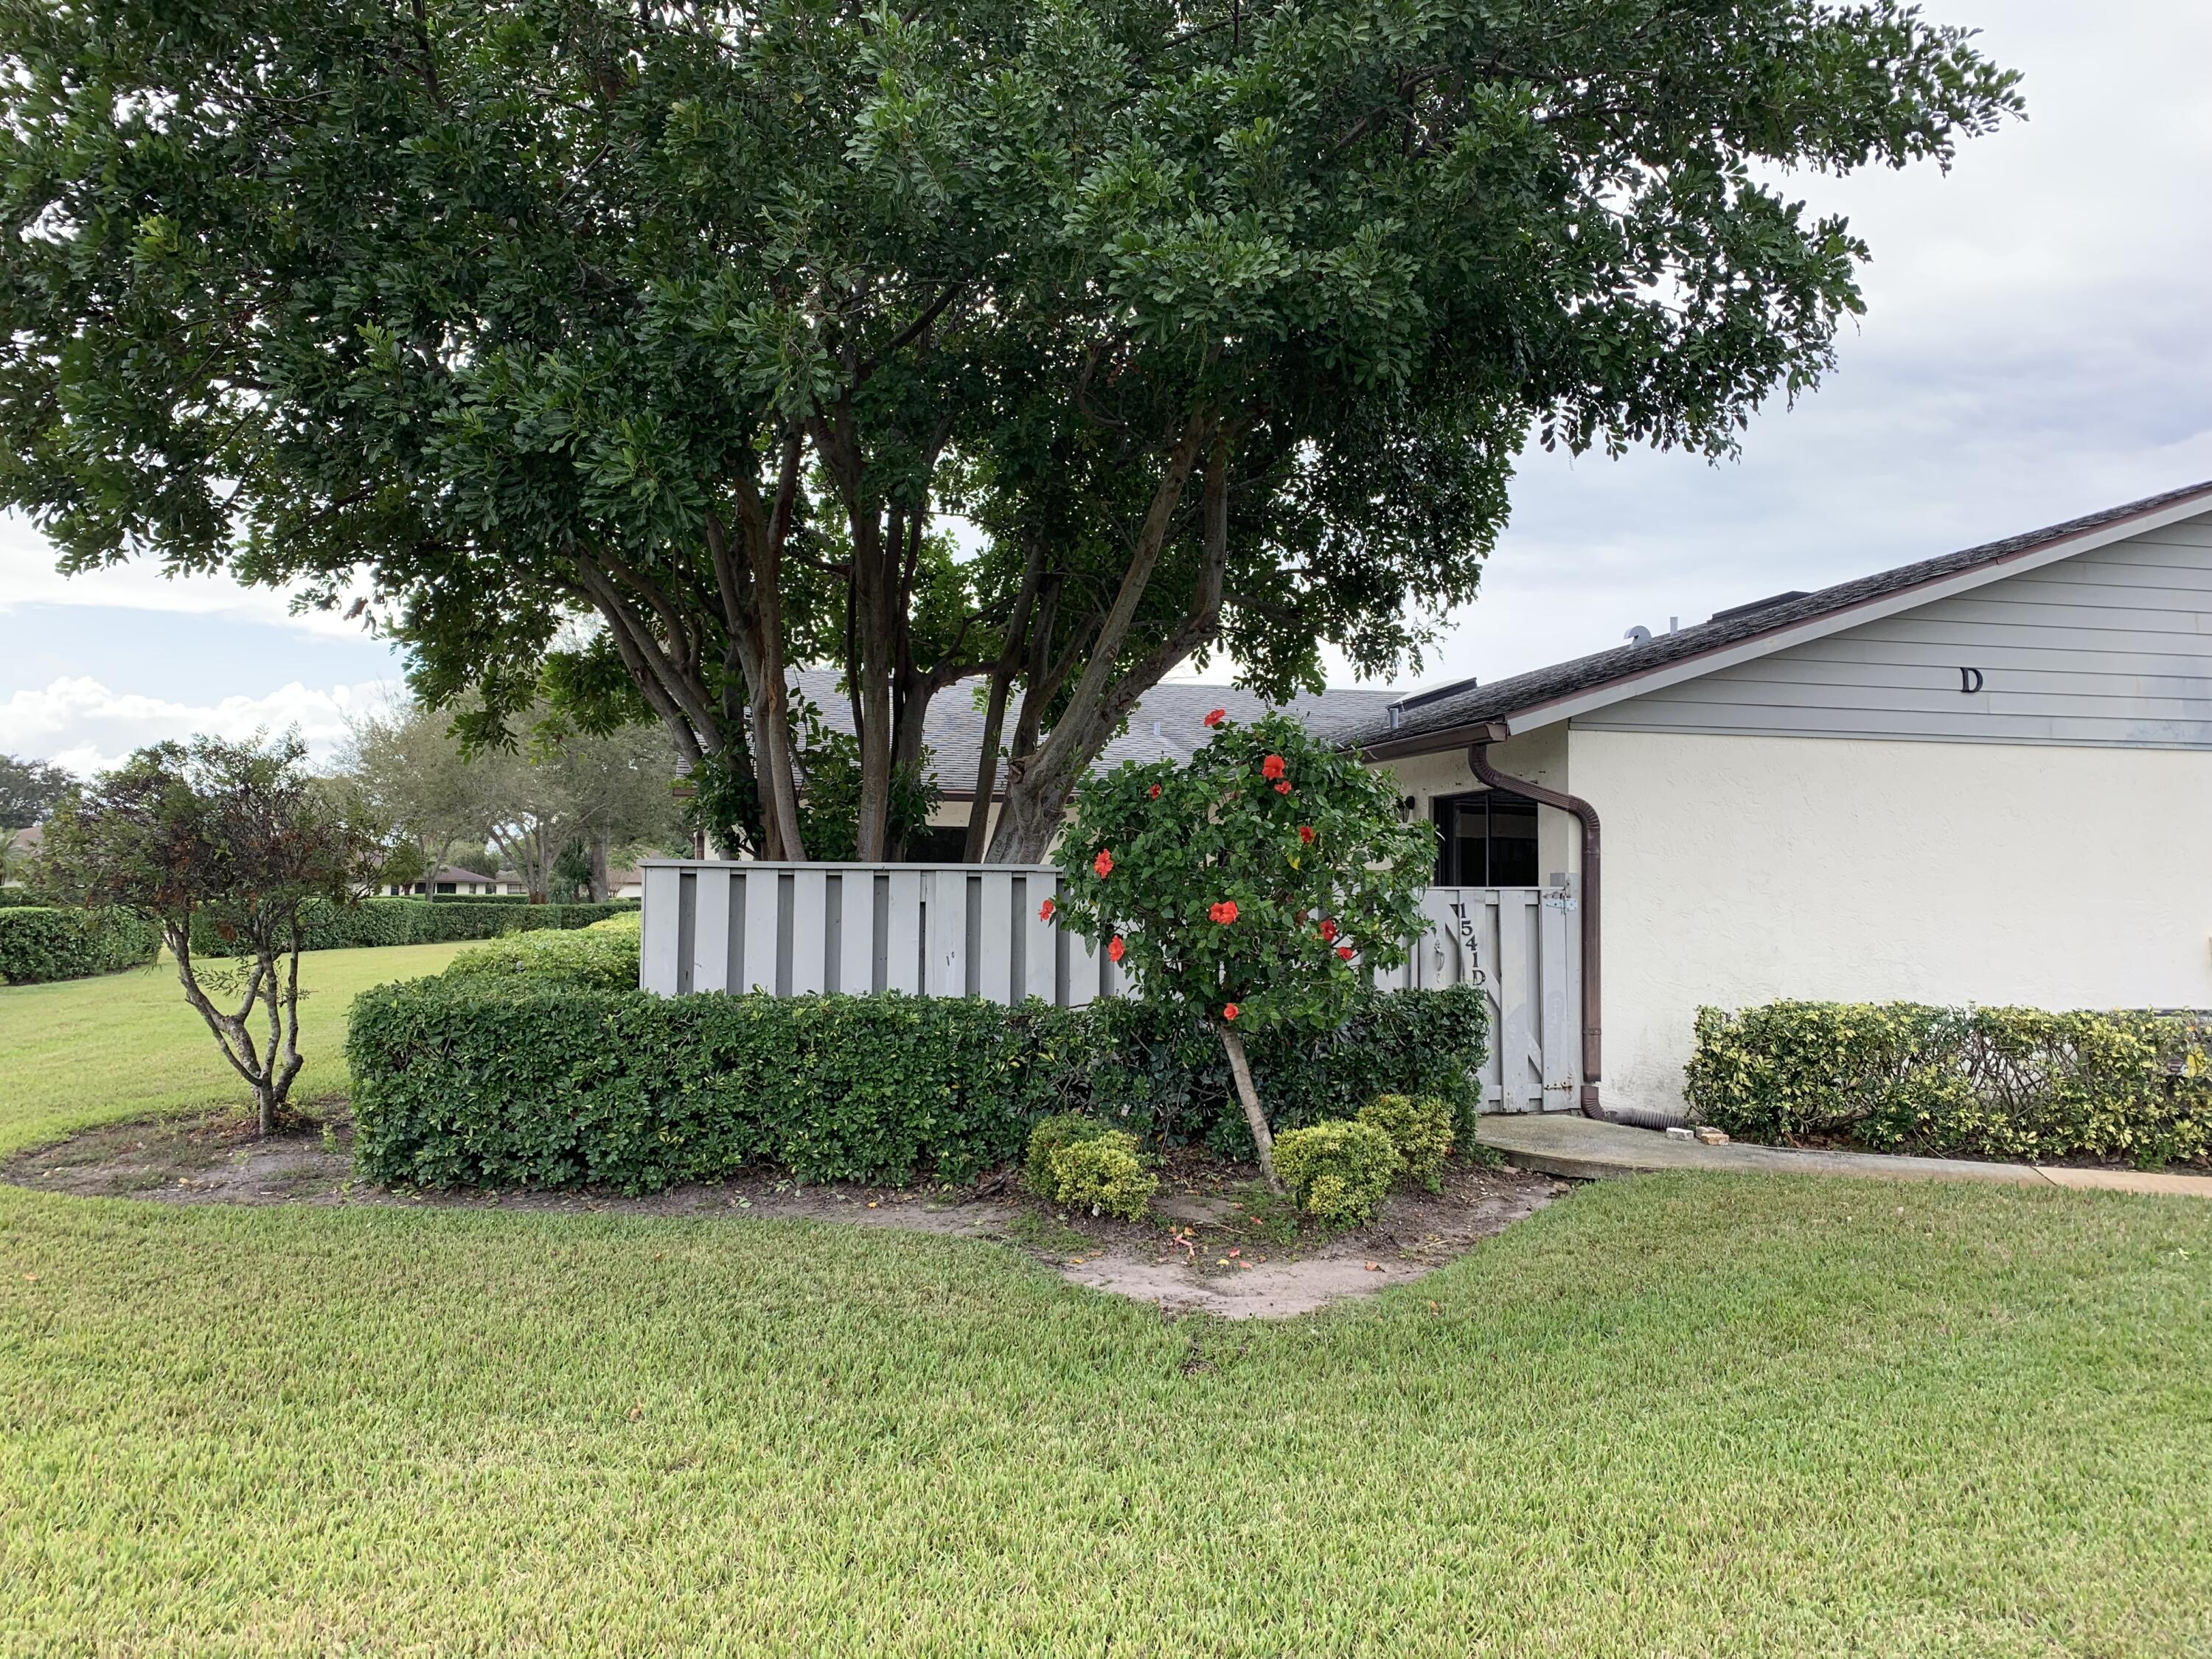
<point x="1675" y="1416"/>
<point x="87" y="1051"/>
<point x="1680" y="1416"/>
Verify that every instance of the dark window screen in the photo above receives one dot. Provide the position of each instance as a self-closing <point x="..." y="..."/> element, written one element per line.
<point x="1487" y="840"/>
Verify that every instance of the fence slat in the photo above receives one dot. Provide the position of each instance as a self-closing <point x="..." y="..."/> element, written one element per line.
<point x="810" y="940"/>
<point x="948" y="934"/>
<point x="856" y="950"/>
<point x="1082" y="966"/>
<point x="710" y="933"/>
<point x="902" y="964"/>
<point x="1041" y="945"/>
<point x="763" y="908"/>
<point x="656" y="955"/>
<point x="995" y="937"/>
<point x="1558" y="1066"/>
<point x="1520" y="1063"/>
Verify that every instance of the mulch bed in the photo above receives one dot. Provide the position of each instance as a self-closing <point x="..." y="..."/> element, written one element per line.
<point x="1219" y="1245"/>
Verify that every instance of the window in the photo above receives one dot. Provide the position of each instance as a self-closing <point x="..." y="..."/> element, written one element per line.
<point x="1487" y="840"/>
<point x="936" y="843"/>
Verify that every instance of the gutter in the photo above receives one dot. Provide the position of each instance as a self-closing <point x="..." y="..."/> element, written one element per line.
<point x="1593" y="1061"/>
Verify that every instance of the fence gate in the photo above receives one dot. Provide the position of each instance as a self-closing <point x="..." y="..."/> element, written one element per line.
<point x="973" y="929"/>
<point x="1522" y="945"/>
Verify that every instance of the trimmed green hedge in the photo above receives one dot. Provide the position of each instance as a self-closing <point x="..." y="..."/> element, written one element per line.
<point x="37" y="942"/>
<point x="380" y="921"/>
<point x="600" y="958"/>
<point x="2002" y="1082"/>
<point x="462" y="1083"/>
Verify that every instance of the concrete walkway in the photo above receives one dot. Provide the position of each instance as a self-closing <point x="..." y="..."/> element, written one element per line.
<point x="1568" y="1144"/>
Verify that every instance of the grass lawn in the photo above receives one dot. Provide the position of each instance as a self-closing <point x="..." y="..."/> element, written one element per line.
<point x="1680" y="1416"/>
<point x="85" y="1051"/>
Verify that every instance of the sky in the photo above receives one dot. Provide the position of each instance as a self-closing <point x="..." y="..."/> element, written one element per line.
<point x="2038" y="343"/>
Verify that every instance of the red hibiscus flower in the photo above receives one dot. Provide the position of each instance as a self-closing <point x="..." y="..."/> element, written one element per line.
<point x="1229" y="1013"/>
<point x="1345" y="951"/>
<point x="1305" y="833"/>
<point x="1104" y="864"/>
<point x="1156" y="791"/>
<point x="1224" y="912"/>
<point x="1215" y="717"/>
<point x="1044" y="911"/>
<point x="1282" y="786"/>
<point x="1117" y="950"/>
<point x="1328" y="932"/>
<point x="1272" y="768"/>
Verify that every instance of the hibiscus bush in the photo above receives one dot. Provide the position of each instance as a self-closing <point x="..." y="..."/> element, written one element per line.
<point x="1258" y="887"/>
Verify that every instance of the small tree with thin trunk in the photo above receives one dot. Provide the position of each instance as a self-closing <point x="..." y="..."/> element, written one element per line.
<point x="1257" y="886"/>
<point x="237" y="834"/>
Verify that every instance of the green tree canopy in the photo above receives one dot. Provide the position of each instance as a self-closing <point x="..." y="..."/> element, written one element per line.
<point x="27" y="789"/>
<point x="1226" y="318"/>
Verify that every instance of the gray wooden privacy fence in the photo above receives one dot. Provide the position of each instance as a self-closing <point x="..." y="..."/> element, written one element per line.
<point x="973" y="929"/>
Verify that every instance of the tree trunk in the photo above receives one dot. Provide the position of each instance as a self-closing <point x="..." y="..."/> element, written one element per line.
<point x="872" y="554"/>
<point x="1015" y="647"/>
<point x="599" y="839"/>
<point x="1255" y="1118"/>
<point x="1030" y="815"/>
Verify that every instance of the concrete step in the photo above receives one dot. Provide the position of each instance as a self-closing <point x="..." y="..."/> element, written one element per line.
<point x="1568" y="1144"/>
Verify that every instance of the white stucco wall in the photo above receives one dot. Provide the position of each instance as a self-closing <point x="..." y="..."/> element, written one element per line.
<point x="1742" y="869"/>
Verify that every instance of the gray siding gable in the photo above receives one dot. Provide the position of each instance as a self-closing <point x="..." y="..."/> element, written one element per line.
<point x="2110" y="647"/>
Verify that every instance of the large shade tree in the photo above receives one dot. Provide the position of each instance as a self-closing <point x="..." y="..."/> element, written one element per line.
<point x="1226" y="319"/>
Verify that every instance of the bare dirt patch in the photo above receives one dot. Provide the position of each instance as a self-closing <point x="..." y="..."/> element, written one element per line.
<point x="1219" y="1245"/>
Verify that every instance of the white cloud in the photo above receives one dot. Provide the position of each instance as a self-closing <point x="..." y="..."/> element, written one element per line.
<point x="81" y="724"/>
<point x="28" y="577"/>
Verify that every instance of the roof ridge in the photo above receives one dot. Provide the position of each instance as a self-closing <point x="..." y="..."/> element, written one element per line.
<point x="1741" y="624"/>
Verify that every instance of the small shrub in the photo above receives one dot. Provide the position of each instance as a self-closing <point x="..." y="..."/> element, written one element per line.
<point x="1420" y="1127"/>
<point x="1105" y="1174"/>
<point x="1338" y="1172"/>
<point x="587" y="959"/>
<point x="630" y="921"/>
<point x="40" y="943"/>
<point x="1052" y="1136"/>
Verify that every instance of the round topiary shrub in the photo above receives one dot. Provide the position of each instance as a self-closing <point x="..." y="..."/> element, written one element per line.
<point x="1050" y="1136"/>
<point x="1420" y="1127"/>
<point x="1338" y="1172"/>
<point x="1079" y="1162"/>
<point x="1105" y="1175"/>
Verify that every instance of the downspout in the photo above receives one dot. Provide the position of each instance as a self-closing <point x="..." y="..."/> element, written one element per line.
<point x="1478" y="761"/>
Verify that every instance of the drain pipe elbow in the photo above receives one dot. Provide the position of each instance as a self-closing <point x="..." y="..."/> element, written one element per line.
<point x="1591" y="915"/>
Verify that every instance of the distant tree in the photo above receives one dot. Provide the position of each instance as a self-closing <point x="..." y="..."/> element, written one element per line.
<point x="609" y="789"/>
<point x="239" y="836"/>
<point x="1256" y="886"/>
<point x="27" y="789"/>
<point x="412" y="772"/>
<point x="571" y="874"/>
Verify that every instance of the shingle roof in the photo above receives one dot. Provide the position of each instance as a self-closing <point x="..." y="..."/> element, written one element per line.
<point x="1167" y="724"/>
<point x="1501" y="699"/>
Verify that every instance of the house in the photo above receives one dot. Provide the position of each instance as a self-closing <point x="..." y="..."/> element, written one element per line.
<point x="1983" y="778"/>
<point x="452" y="881"/>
